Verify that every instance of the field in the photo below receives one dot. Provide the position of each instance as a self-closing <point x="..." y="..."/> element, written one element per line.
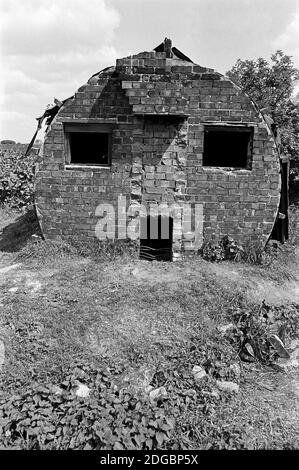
<point x="132" y="332"/>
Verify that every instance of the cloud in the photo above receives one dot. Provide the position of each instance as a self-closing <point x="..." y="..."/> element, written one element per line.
<point x="288" y="41"/>
<point x="10" y="120"/>
<point x="50" y="48"/>
<point x="33" y="27"/>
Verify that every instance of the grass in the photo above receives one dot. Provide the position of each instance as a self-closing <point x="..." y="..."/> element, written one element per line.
<point x="147" y="317"/>
<point x="113" y="316"/>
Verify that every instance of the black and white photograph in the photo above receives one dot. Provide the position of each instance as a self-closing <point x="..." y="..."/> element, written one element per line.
<point x="149" y="230"/>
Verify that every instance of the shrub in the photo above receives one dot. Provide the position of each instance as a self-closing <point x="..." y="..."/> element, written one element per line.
<point x="255" y="326"/>
<point x="16" y="176"/>
<point x="228" y="249"/>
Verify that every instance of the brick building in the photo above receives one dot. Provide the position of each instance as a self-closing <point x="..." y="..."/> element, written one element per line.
<point x="157" y="128"/>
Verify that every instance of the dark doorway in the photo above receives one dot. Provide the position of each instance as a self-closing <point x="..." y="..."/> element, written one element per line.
<point x="156" y="238"/>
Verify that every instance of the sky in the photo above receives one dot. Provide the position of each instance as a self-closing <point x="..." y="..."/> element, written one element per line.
<point x="49" y="48"/>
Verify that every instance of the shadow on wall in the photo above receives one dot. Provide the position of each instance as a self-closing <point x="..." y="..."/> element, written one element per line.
<point x="156" y="132"/>
<point x="15" y="235"/>
<point x="112" y="100"/>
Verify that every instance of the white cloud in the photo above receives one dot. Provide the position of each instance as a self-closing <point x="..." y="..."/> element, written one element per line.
<point x="49" y="48"/>
<point x="33" y="27"/>
<point x="10" y="120"/>
<point x="288" y="41"/>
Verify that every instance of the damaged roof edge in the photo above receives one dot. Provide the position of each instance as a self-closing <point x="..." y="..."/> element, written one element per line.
<point x="166" y="46"/>
<point x="49" y="114"/>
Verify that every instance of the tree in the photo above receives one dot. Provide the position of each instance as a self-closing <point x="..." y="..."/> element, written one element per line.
<point x="271" y="86"/>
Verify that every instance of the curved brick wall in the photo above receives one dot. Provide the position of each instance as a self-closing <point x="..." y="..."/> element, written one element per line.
<point x="159" y="159"/>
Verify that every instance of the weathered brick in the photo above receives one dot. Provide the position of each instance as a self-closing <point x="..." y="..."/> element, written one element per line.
<point x="168" y="163"/>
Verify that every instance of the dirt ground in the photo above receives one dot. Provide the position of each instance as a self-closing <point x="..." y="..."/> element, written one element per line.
<point x="99" y="298"/>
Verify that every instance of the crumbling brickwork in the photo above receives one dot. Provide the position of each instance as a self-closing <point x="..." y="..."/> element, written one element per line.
<point x="156" y="108"/>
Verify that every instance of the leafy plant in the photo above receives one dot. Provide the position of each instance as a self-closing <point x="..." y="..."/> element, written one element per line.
<point x="45" y="417"/>
<point x="255" y="326"/>
<point x="16" y="176"/>
<point x="229" y="249"/>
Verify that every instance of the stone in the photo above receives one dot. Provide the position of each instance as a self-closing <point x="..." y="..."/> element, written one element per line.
<point x="158" y="394"/>
<point x="135" y="272"/>
<point x="13" y="289"/>
<point x="82" y="391"/>
<point x="36" y="238"/>
<point x="139" y="379"/>
<point x="198" y="372"/>
<point x="215" y="394"/>
<point x="236" y="369"/>
<point x="33" y="285"/>
<point x="56" y="390"/>
<point x="225" y="386"/>
<point x="223" y="329"/>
